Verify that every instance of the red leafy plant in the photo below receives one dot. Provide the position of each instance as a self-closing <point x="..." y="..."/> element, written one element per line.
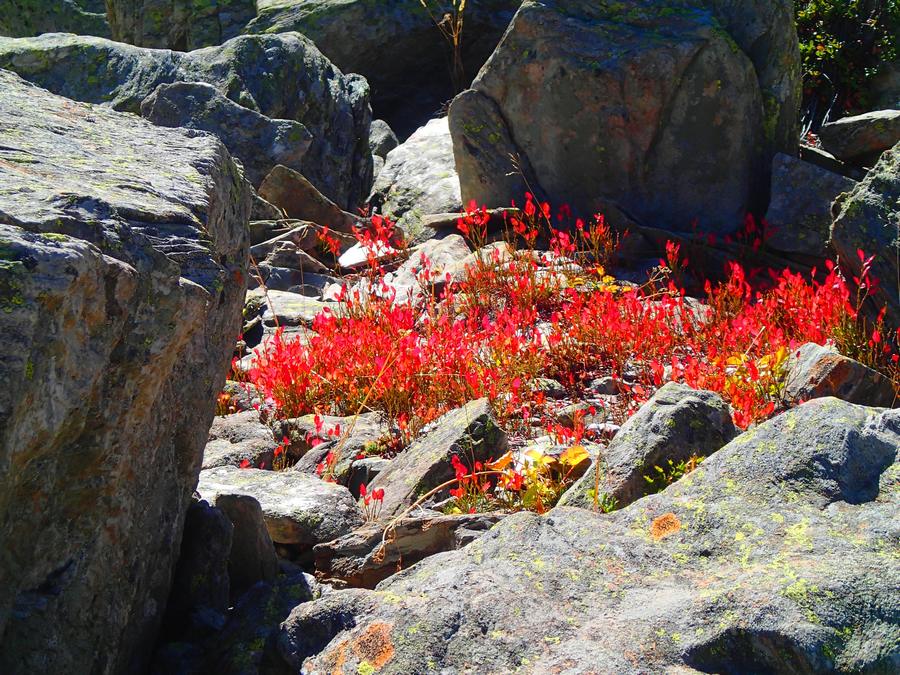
<point x="371" y="502"/>
<point x="517" y="315"/>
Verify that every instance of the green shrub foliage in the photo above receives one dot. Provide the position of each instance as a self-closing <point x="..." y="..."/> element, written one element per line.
<point x="844" y="45"/>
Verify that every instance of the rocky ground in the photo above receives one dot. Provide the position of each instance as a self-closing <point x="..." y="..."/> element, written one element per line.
<point x="452" y="439"/>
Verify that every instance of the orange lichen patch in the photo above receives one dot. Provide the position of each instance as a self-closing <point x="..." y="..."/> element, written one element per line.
<point x="664" y="525"/>
<point x="331" y="662"/>
<point x="374" y="645"/>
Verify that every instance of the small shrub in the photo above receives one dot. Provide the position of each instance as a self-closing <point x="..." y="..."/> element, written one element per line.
<point x="521" y="315"/>
<point x="844" y="44"/>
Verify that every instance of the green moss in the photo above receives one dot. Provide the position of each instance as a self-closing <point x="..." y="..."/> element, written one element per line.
<point x="771" y="117"/>
<point x="55" y="236"/>
<point x="12" y="272"/>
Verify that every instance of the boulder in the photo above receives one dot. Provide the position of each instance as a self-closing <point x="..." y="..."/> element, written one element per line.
<point x="365" y="557"/>
<point x="364" y="471"/>
<point x="247" y="642"/>
<point x="382" y="138"/>
<point x="861" y="137"/>
<point x="866" y="221"/>
<point x="27" y="18"/>
<point x="238" y="437"/>
<point x="675" y="424"/>
<point x="419" y="178"/>
<point x="638" y="103"/>
<point x="200" y="588"/>
<point x="298" y="509"/>
<point x="258" y="142"/>
<point x="298" y="198"/>
<point x="799" y="213"/>
<point x="252" y="556"/>
<point x="829" y="162"/>
<point x="814" y="371"/>
<point x="123" y="253"/>
<point x="309" y="284"/>
<point x="263" y="212"/>
<point x="290" y="309"/>
<point x="483" y="149"/>
<point x="470" y="432"/>
<point x="178" y="24"/>
<point x="377" y="166"/>
<point x="776" y="555"/>
<point x="283" y="77"/>
<point x="376" y="40"/>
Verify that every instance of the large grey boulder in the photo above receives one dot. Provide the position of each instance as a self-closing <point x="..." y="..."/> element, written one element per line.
<point x="868" y="220"/>
<point x="393" y="44"/>
<point x="799" y="213"/>
<point x="815" y="371"/>
<point x="284" y="308"/>
<point x="258" y="142"/>
<point x="368" y="555"/>
<point x="247" y="643"/>
<point x="283" y="77"/>
<point x="252" y="555"/>
<point x="239" y="437"/>
<point x="419" y="178"/>
<point x="675" y="424"/>
<point x="178" y="24"/>
<point x="777" y="555"/>
<point x="298" y="509"/>
<point x="861" y="137"/>
<point x="638" y="102"/>
<point x="123" y="250"/>
<point x="483" y="149"/>
<point x="26" y="18"/>
<point x="471" y="432"/>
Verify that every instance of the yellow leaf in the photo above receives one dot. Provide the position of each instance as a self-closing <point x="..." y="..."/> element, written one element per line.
<point x="501" y="463"/>
<point x="781" y="355"/>
<point x="574" y="455"/>
<point x="539" y="457"/>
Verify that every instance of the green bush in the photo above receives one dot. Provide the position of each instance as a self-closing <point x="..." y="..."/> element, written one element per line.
<point x="844" y="45"/>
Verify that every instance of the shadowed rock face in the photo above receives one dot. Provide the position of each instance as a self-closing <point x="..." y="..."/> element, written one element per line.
<point x="394" y="44"/>
<point x="25" y="18"/>
<point x="123" y="250"/>
<point x="258" y="142"/>
<point x="283" y="77"/>
<point x="664" y="107"/>
<point x="799" y="214"/>
<point x="178" y="24"/>
<point x="778" y="554"/>
<point x="867" y="220"/>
